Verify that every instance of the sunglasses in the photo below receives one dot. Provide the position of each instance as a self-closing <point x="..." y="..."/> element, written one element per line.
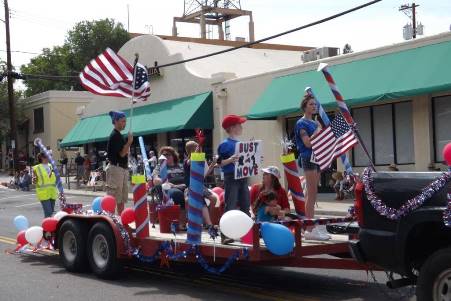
<point x="167" y="154"/>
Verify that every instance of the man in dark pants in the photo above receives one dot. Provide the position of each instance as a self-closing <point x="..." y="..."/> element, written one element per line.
<point x="117" y="169"/>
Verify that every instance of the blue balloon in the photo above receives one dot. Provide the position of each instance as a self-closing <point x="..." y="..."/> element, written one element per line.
<point x="97" y="204"/>
<point x="21" y="223"/>
<point x="278" y="239"/>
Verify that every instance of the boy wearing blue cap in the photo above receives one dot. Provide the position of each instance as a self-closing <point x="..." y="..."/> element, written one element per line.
<point x="117" y="169"/>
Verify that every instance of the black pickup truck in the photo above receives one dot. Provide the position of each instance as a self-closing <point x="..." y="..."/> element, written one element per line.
<point x="418" y="245"/>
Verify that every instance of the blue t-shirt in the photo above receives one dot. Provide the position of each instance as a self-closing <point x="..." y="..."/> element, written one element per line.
<point x="310" y="127"/>
<point x="225" y="150"/>
<point x="262" y="216"/>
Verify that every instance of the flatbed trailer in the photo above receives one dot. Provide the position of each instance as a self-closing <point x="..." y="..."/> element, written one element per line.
<point x="100" y="242"/>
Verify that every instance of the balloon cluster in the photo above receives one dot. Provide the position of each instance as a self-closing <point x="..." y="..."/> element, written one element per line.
<point x="237" y="225"/>
<point x="408" y="206"/>
<point x="34" y="235"/>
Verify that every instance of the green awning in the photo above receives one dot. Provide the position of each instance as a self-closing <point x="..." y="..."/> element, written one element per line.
<point x="422" y="70"/>
<point x="184" y="113"/>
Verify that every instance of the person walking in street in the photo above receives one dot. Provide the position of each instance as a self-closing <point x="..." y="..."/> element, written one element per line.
<point x="304" y="129"/>
<point x="45" y="180"/>
<point x="117" y="169"/>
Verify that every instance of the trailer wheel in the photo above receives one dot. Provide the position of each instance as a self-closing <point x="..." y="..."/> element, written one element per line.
<point x="102" y="251"/>
<point x="434" y="281"/>
<point x="72" y="246"/>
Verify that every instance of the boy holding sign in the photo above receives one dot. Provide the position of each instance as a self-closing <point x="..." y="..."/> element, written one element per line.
<point x="236" y="191"/>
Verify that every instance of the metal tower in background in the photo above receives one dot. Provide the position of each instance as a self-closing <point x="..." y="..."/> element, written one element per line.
<point x="213" y="12"/>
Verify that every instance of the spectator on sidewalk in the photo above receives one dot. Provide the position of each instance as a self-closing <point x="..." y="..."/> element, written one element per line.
<point x="86" y="169"/>
<point x="79" y="162"/>
<point x="63" y="160"/>
<point x="25" y="181"/>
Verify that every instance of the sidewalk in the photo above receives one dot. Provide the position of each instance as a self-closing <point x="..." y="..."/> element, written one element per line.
<point x="326" y="204"/>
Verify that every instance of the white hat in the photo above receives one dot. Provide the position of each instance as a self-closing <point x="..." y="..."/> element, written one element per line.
<point x="273" y="170"/>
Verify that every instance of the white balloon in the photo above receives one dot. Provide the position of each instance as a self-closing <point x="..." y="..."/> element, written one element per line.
<point x="34" y="234"/>
<point x="60" y="214"/>
<point x="235" y="224"/>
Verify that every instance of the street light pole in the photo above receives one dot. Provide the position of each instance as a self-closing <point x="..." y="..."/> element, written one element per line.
<point x="12" y="106"/>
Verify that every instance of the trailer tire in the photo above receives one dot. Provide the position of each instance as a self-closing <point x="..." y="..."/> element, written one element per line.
<point x="102" y="252"/>
<point x="72" y="246"/>
<point x="434" y="280"/>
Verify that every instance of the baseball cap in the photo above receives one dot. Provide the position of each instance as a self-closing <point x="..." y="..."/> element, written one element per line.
<point x="273" y="170"/>
<point x="231" y="120"/>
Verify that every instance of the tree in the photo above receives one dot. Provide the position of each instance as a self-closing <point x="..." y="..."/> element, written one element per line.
<point x="83" y="42"/>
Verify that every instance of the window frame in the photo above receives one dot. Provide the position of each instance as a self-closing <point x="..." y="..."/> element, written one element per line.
<point x="434" y="128"/>
<point x="395" y="151"/>
<point x="38" y="130"/>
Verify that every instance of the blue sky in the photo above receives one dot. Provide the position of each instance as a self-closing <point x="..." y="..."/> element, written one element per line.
<point x="38" y="24"/>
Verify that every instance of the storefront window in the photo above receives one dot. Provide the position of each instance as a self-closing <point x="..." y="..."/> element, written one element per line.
<point x="442" y="124"/>
<point x="178" y="140"/>
<point x="387" y="131"/>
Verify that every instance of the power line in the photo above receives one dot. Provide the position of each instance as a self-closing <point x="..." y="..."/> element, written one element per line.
<point x="20" y="51"/>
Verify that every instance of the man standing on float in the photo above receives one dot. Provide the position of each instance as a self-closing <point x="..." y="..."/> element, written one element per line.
<point x="117" y="169"/>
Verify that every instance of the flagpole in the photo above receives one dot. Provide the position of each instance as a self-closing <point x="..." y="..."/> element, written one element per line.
<point x="325" y="118"/>
<point x="344" y="108"/>
<point x="133" y="91"/>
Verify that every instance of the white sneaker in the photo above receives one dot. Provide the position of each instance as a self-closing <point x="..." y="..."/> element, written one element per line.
<point x="315" y="234"/>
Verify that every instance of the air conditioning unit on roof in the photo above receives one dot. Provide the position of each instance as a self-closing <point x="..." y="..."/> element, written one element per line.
<point x="319" y="53"/>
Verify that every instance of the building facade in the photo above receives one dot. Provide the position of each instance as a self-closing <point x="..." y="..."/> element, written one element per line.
<point x="400" y="96"/>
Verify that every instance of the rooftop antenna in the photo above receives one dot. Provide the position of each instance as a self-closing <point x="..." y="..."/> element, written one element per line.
<point x="214" y="13"/>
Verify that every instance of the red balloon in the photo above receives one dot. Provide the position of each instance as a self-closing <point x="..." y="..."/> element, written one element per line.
<point x="108" y="203"/>
<point x="221" y="198"/>
<point x="447" y="154"/>
<point x="49" y="224"/>
<point x="217" y="190"/>
<point x="128" y="216"/>
<point x="21" y="240"/>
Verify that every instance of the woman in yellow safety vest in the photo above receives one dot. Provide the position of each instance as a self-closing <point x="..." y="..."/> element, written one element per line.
<point x="45" y="180"/>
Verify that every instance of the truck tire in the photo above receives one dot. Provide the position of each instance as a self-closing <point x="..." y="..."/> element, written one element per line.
<point x="102" y="251"/>
<point x="72" y="245"/>
<point x="434" y="281"/>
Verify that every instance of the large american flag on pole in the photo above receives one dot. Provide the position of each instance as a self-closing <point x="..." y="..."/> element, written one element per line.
<point x="332" y="141"/>
<point x="111" y="75"/>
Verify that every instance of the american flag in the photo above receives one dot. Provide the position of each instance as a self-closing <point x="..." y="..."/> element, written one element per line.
<point x="332" y="141"/>
<point x="111" y="75"/>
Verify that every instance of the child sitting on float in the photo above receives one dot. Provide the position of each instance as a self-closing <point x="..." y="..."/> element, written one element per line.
<point x="266" y="208"/>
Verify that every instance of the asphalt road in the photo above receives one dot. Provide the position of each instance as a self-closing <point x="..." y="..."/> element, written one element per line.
<point x="42" y="277"/>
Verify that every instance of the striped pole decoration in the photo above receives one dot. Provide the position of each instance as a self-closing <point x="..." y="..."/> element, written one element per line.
<point x="144" y="157"/>
<point x="338" y="97"/>
<point x="164" y="175"/>
<point x="344" y="108"/>
<point x="146" y="163"/>
<point x="196" y="198"/>
<point x="140" y="205"/>
<point x="294" y="183"/>
<point x="326" y="121"/>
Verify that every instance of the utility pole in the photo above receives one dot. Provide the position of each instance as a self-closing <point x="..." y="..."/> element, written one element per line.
<point x="410" y="11"/>
<point x="11" y="102"/>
